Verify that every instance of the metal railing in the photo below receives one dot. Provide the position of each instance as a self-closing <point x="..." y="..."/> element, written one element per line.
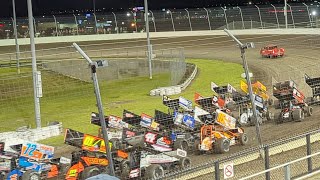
<point x="285" y="166"/>
<point x="240" y="17"/>
<point x="261" y="160"/>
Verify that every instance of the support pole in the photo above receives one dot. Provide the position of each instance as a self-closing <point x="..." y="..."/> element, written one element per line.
<point x="14" y="21"/>
<point x="174" y="29"/>
<point x="245" y="65"/>
<point x="34" y="66"/>
<point x="308" y="13"/>
<point x="146" y="13"/>
<point x="286" y="13"/>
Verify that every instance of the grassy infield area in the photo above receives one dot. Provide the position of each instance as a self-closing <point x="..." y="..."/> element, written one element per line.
<point x="131" y="94"/>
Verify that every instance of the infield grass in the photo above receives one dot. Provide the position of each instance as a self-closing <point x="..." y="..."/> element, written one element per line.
<point x="72" y="101"/>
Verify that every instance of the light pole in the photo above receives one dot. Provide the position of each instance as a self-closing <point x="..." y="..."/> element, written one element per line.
<point x="243" y="47"/>
<point x="93" y="67"/>
<point x="16" y="35"/>
<point x="286" y="13"/>
<point x="34" y="67"/>
<point x="94" y="6"/>
<point x="146" y="13"/>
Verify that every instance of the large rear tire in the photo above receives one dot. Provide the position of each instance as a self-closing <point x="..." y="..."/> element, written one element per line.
<point x="154" y="171"/>
<point x="298" y="115"/>
<point x="196" y="147"/>
<point x="244" y="119"/>
<point x="181" y="144"/>
<point x="89" y="172"/>
<point x="278" y="118"/>
<point x="222" y="145"/>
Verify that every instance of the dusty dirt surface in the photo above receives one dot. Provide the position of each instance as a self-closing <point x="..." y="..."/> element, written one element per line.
<point x="301" y="57"/>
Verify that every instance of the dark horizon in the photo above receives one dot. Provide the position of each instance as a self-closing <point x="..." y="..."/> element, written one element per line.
<point x="46" y="7"/>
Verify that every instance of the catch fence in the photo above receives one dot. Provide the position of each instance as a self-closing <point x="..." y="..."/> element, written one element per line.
<point x="240" y="17"/>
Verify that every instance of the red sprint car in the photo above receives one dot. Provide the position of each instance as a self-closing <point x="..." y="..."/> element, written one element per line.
<point x="272" y="51"/>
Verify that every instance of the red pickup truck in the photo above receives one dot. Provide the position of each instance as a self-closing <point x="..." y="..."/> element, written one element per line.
<point x="272" y="51"/>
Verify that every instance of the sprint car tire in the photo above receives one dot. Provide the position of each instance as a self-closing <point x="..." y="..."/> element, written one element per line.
<point x="278" y="119"/>
<point x="222" y="145"/>
<point x="298" y="115"/>
<point x="243" y="138"/>
<point x="90" y="172"/>
<point x="270" y="102"/>
<point x="185" y="163"/>
<point x="30" y="175"/>
<point x="309" y="111"/>
<point x="154" y="171"/>
<point x="244" y="119"/>
<point x="116" y="144"/>
<point x="125" y="169"/>
<point x="269" y="115"/>
<point x="197" y="147"/>
<point x="181" y="144"/>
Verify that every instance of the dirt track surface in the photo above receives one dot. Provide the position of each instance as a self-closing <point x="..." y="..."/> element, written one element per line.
<point x="301" y="57"/>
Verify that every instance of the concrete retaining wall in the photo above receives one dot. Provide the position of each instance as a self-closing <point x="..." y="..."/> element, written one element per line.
<point x="43" y="40"/>
<point x="16" y="137"/>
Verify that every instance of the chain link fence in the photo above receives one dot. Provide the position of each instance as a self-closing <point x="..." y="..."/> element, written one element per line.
<point x="244" y="17"/>
<point x="66" y="78"/>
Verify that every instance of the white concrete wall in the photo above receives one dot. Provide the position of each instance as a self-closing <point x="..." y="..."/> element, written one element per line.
<point x="41" y="40"/>
<point x="15" y="137"/>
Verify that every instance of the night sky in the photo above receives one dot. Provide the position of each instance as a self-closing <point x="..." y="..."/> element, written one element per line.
<point x="47" y="6"/>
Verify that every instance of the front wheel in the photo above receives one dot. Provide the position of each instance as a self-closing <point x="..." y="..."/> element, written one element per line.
<point x="30" y="175"/>
<point x="90" y="172"/>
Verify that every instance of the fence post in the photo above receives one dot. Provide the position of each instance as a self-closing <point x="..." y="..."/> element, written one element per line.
<point x="266" y="161"/>
<point x="309" y="153"/>
<point x="189" y="19"/>
<point x="154" y="21"/>
<point x="287" y="172"/>
<point x="55" y="22"/>
<point x="275" y="12"/>
<point x="260" y="16"/>
<point x="225" y="17"/>
<point x="169" y="12"/>
<point x="216" y="170"/>
<point x="294" y="26"/>
<point x="96" y="23"/>
<point x="208" y="18"/>
<point x="115" y="20"/>
<point x="308" y="14"/>
<point x="243" y="27"/>
<point x="76" y="21"/>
